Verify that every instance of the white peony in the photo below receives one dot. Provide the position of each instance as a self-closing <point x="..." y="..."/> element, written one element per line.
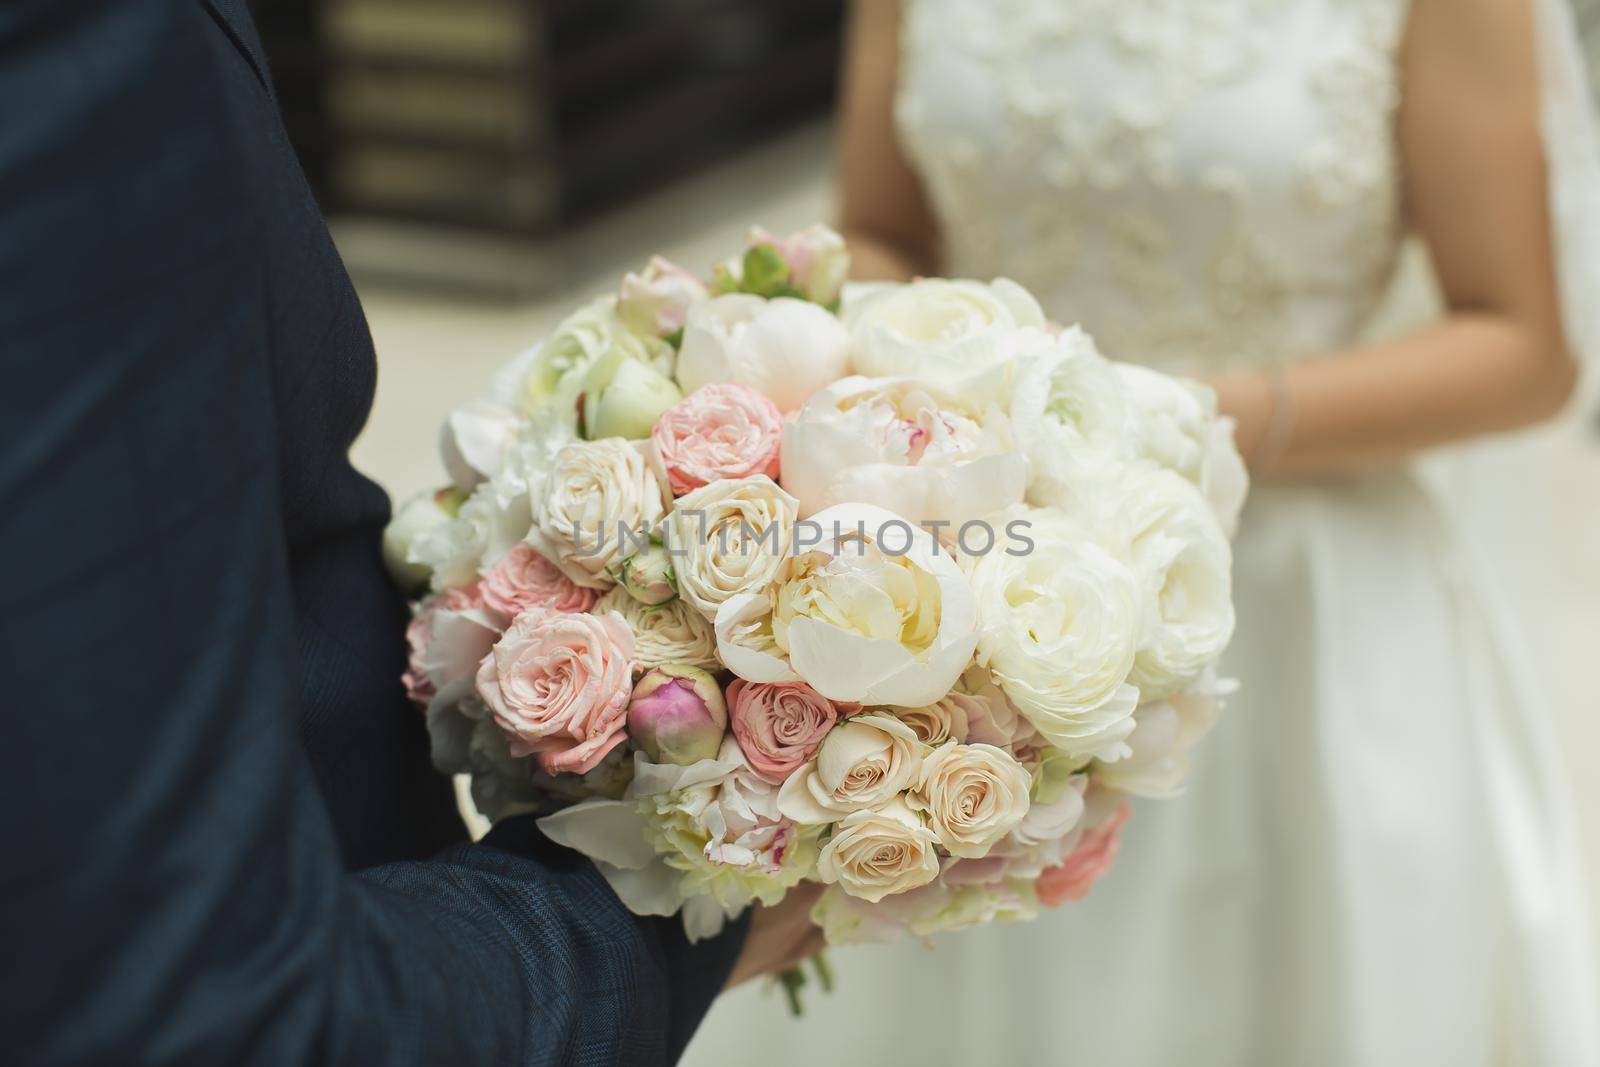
<point x="666" y="634"/>
<point x="1183" y="557"/>
<point x="935" y="454"/>
<point x="939" y="328"/>
<point x="1061" y="622"/>
<point x="786" y="349"/>
<point x="854" y="617"/>
<point x="598" y="504"/>
<point x="729" y="538"/>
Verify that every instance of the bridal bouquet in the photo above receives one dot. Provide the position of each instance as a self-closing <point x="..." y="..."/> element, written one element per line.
<point x="759" y="579"/>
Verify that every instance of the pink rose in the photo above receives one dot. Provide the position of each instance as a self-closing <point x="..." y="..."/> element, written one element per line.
<point x="523" y="579"/>
<point x="558" y="687"/>
<point x="1072" y="878"/>
<point x="779" y="725"/>
<point x="722" y="430"/>
<point x="446" y="638"/>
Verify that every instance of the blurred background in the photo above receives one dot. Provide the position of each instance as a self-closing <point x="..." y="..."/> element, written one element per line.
<point x="486" y="163"/>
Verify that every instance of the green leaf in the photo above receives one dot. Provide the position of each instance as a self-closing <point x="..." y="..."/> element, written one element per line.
<point x="764" y="270"/>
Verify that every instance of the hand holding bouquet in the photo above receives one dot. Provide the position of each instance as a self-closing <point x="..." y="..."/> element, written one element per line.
<point x="757" y="580"/>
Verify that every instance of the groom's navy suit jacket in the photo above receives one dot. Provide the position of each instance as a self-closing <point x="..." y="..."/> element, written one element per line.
<point x="223" y="843"/>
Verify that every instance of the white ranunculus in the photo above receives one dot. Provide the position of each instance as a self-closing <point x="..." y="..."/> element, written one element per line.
<point x="474" y="441"/>
<point x="623" y="397"/>
<point x="971" y="795"/>
<point x="1173" y="417"/>
<point x="935" y="454"/>
<point x="1072" y="419"/>
<point x="939" y="328"/>
<point x="422" y="513"/>
<point x="854" y="617"/>
<point x="786" y="349"/>
<point x="552" y="375"/>
<point x="597" y="505"/>
<point x="1183" y="558"/>
<point x="666" y="634"/>
<point x="729" y="538"/>
<point x="862" y="763"/>
<point x="879" y="852"/>
<point x="1164" y="733"/>
<point x="1223" y="477"/>
<point x="1060" y="625"/>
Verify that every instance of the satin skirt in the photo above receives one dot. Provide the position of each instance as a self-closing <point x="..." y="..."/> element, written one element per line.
<point x="1375" y="862"/>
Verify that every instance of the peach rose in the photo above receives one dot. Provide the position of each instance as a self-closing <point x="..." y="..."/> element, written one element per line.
<point x="722" y="430"/>
<point x="1073" y="877"/>
<point x="779" y="725"/>
<point x="523" y="579"/>
<point x="558" y="685"/>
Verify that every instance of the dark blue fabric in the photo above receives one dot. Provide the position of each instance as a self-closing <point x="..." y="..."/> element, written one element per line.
<point x="216" y="808"/>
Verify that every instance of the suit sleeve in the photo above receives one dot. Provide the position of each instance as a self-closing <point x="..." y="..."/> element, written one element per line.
<point x="172" y="890"/>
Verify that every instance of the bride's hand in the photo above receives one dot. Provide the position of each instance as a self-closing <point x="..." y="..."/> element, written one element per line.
<point x="780" y="936"/>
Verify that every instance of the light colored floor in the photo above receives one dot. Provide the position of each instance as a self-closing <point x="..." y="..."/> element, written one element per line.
<point x="436" y="352"/>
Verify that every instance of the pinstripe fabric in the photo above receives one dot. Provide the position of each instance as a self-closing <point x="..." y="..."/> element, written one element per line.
<point x="217" y="808"/>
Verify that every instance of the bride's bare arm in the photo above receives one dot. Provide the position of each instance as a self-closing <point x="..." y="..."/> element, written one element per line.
<point x="882" y="211"/>
<point x="1471" y="147"/>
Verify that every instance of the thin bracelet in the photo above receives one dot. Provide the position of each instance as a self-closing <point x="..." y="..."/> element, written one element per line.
<point x="1280" y="421"/>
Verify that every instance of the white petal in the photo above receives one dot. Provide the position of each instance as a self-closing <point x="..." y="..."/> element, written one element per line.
<point x="607" y="831"/>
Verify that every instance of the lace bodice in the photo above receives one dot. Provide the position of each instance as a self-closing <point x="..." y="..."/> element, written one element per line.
<point x="1200" y="183"/>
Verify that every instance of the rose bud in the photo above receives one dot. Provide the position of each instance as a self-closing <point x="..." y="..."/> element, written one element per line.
<point x="419" y="514"/>
<point x="624" y="397"/>
<point x="677" y="715"/>
<point x="647" y="576"/>
<point x="655" y="302"/>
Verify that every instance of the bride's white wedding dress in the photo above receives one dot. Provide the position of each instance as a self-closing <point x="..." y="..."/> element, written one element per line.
<point x="1374" y="863"/>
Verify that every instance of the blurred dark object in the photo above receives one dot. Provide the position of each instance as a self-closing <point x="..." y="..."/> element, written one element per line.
<point x="456" y="139"/>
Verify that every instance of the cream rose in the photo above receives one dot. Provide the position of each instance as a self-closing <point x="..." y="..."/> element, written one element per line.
<point x="1184" y="558"/>
<point x="878" y="852"/>
<point x="598" y="504"/>
<point x="927" y="452"/>
<point x="971" y="795"/>
<point x="1061" y="624"/>
<point x="856" y="618"/>
<point x="934" y="724"/>
<point x="938" y="327"/>
<point x="729" y="538"/>
<point x="666" y="634"/>
<point x="785" y="349"/>
<point x="861" y="764"/>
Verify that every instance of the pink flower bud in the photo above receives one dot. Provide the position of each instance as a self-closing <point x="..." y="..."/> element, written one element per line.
<point x="677" y="715"/>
